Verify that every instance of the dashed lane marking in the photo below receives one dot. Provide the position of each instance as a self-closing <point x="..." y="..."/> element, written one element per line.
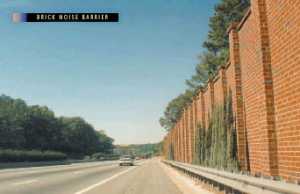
<point x="104" y="181"/>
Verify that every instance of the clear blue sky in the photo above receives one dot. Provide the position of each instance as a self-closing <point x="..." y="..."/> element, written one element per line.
<point x="117" y="76"/>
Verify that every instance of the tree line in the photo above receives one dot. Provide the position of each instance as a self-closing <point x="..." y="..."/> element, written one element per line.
<point x="24" y="127"/>
<point x="215" y="54"/>
<point x="139" y="150"/>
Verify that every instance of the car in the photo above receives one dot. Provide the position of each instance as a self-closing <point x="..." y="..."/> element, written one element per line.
<point x="126" y="160"/>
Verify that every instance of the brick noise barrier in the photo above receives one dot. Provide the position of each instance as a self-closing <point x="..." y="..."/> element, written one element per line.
<point x="263" y="77"/>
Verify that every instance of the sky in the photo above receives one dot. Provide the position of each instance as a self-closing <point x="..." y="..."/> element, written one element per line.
<point x="117" y="76"/>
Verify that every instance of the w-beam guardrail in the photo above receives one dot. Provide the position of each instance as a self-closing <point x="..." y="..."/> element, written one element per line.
<point x="235" y="183"/>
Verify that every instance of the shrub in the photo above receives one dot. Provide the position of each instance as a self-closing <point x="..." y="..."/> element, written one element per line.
<point x="103" y="156"/>
<point x="9" y="155"/>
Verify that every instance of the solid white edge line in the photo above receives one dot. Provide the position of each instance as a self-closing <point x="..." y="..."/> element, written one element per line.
<point x="104" y="181"/>
<point x="25" y="182"/>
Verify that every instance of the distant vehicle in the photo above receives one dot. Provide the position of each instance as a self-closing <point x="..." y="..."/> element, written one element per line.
<point x="126" y="160"/>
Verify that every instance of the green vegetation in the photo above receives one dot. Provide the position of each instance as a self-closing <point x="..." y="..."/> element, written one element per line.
<point x="139" y="150"/>
<point x="30" y="156"/>
<point x="215" y="54"/>
<point x="105" y="156"/>
<point x="171" y="152"/>
<point x="216" y="145"/>
<point x="174" y="109"/>
<point x="24" y="127"/>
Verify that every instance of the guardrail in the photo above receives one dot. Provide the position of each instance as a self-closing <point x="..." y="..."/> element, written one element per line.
<point x="235" y="183"/>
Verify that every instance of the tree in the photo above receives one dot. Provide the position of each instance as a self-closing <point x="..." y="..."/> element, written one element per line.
<point x="216" y="45"/>
<point x="105" y="144"/>
<point x="37" y="128"/>
<point x="79" y="136"/>
<point x="174" y="109"/>
<point x="139" y="150"/>
<point x="215" y="54"/>
<point x="12" y="114"/>
<point x="41" y="129"/>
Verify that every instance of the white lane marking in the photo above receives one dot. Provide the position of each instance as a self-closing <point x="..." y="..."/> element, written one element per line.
<point x="104" y="181"/>
<point x="33" y="170"/>
<point x="98" y="168"/>
<point x="25" y="182"/>
<point x="78" y="172"/>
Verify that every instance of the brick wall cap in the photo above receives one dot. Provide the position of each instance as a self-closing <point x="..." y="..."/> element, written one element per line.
<point x="222" y="67"/>
<point x="232" y="26"/>
<point x="197" y="92"/>
<point x="215" y="79"/>
<point x="244" y="19"/>
<point x="196" y="96"/>
<point x="210" y="79"/>
<point x="205" y="88"/>
<point x="227" y="64"/>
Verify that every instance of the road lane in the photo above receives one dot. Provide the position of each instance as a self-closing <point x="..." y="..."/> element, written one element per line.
<point x="13" y="174"/>
<point x="148" y="178"/>
<point x="64" y="180"/>
<point x="143" y="178"/>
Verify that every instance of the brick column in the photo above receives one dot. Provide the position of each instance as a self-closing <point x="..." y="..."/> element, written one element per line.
<point x="184" y="136"/>
<point x="270" y="165"/>
<point x="222" y="74"/>
<point x="177" y="142"/>
<point x="237" y="97"/>
<point x="195" y="121"/>
<point x="187" y="145"/>
<point x="192" y="133"/>
<point x="171" y="141"/>
<point x="202" y="104"/>
<point x="212" y="95"/>
<point x="174" y="143"/>
<point x="188" y="134"/>
<point x="195" y="105"/>
<point x="166" y="146"/>
<point x="179" y="139"/>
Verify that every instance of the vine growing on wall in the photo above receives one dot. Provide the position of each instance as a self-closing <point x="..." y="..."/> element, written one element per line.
<point x="216" y="146"/>
<point x="171" y="152"/>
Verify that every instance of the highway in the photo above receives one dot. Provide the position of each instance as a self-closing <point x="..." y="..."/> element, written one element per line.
<point x="146" y="177"/>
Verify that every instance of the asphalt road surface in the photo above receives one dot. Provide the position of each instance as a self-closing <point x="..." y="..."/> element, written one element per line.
<point x="146" y="177"/>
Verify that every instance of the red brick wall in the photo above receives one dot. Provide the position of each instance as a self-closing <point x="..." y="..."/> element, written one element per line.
<point x="184" y="136"/>
<point x="263" y="77"/>
<point x="253" y="91"/>
<point x="178" y="141"/>
<point x="208" y="104"/>
<point x="230" y="82"/>
<point x="201" y="108"/>
<point x="188" y="129"/>
<point x="193" y="129"/>
<point x="218" y="91"/>
<point x="284" y="27"/>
